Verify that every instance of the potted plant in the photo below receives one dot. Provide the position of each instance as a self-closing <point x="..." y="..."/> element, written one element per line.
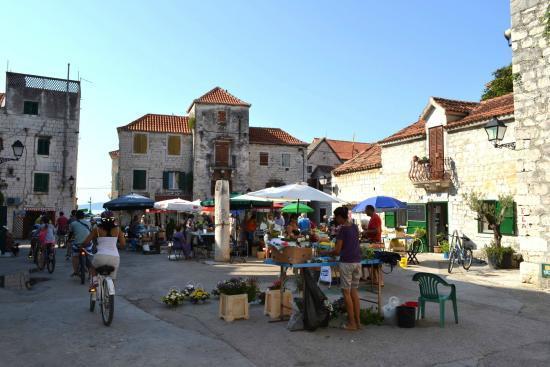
<point x="272" y="303"/>
<point x="444" y="244"/>
<point x="199" y="295"/>
<point x="173" y="298"/>
<point x="499" y="257"/>
<point x="233" y="299"/>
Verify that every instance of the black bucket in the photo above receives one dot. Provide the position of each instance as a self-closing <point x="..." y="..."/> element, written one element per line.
<point x="406" y="316"/>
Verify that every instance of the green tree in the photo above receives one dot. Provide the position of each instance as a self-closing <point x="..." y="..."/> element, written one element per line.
<point x="487" y="210"/>
<point x="502" y="84"/>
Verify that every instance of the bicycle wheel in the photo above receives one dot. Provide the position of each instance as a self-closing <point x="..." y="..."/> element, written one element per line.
<point x="51" y="260"/>
<point x="452" y="256"/>
<point x="82" y="269"/>
<point x="107" y="304"/>
<point x="92" y="301"/>
<point x="40" y="258"/>
<point x="468" y="257"/>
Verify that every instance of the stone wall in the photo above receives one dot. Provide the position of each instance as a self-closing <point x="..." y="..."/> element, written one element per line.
<point x="531" y="61"/>
<point x="114" y="177"/>
<point x="357" y="186"/>
<point x="323" y="156"/>
<point x="155" y="162"/>
<point x="274" y="171"/>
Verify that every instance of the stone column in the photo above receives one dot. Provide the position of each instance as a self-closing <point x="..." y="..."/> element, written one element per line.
<point x="221" y="211"/>
<point x="531" y="68"/>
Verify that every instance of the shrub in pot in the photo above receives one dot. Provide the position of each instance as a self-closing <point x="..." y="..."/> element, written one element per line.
<point x="499" y="257"/>
<point x="444" y="244"/>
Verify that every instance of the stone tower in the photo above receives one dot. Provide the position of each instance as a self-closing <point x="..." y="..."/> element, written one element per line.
<point x="219" y="123"/>
<point x="531" y="63"/>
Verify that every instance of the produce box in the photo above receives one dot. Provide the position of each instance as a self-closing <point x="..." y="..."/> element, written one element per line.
<point x="292" y="254"/>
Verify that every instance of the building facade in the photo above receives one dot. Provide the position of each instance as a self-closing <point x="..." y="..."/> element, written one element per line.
<point x="166" y="156"/>
<point x="44" y="114"/>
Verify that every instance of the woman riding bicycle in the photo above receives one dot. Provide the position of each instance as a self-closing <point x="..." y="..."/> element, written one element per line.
<point x="107" y="233"/>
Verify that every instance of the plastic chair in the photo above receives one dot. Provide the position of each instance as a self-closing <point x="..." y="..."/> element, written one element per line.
<point x="429" y="292"/>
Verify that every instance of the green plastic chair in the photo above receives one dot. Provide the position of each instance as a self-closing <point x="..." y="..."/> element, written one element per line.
<point x="429" y="292"/>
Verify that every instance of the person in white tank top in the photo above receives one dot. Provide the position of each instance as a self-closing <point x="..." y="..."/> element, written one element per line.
<point x="108" y="234"/>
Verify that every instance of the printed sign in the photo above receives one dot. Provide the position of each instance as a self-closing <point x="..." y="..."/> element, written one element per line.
<point x="326" y="275"/>
<point x="546" y="270"/>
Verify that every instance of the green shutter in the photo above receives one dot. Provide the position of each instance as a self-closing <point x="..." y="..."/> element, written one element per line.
<point x="41" y="182"/>
<point x="165" y="180"/>
<point x="139" y="180"/>
<point x="43" y="147"/>
<point x="181" y="181"/>
<point x="189" y="182"/>
<point x="508" y="225"/>
<point x="389" y="219"/>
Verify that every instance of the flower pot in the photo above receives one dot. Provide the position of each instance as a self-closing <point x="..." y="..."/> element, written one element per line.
<point x="233" y="307"/>
<point x="437" y="249"/>
<point x="504" y="263"/>
<point x="273" y="303"/>
<point x="260" y="255"/>
<point x="446" y="255"/>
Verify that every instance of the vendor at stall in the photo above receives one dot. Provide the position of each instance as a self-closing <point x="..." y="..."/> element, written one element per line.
<point x="304" y="224"/>
<point x="279" y="221"/>
<point x="292" y="230"/>
<point x="347" y="247"/>
<point x="373" y="234"/>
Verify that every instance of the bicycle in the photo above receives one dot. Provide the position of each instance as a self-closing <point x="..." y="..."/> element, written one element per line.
<point x="62" y="240"/>
<point x="45" y="257"/>
<point x="459" y="254"/>
<point x="83" y="265"/>
<point x="104" y="294"/>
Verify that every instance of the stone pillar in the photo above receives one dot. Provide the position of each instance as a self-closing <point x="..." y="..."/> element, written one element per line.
<point x="221" y="212"/>
<point x="531" y="68"/>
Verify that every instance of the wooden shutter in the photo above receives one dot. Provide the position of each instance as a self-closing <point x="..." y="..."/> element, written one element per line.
<point x="436" y="150"/>
<point x="165" y="180"/>
<point x="43" y="147"/>
<point x="222" y="154"/>
<point x="140" y="143"/>
<point x="389" y="219"/>
<point x="181" y="181"/>
<point x="174" y="145"/>
<point x="41" y="182"/>
<point x="508" y="225"/>
<point x="140" y="177"/>
<point x="264" y="159"/>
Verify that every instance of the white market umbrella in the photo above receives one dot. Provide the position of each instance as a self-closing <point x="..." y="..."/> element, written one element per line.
<point x="295" y="192"/>
<point x="178" y="205"/>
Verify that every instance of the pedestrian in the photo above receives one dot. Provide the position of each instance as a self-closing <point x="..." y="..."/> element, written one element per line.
<point x="304" y="224"/>
<point x="179" y="242"/>
<point x="62" y="226"/>
<point x="79" y="229"/>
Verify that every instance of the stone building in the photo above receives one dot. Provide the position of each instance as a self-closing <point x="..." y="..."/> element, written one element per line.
<point x="166" y="156"/>
<point x="431" y="163"/>
<point x="323" y="156"/>
<point x="44" y="114"/>
<point x="531" y="64"/>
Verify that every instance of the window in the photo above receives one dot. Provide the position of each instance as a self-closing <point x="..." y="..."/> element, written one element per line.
<point x="221" y="117"/>
<point x="309" y="169"/>
<point x="508" y="225"/>
<point x="174" y="145"/>
<point x="222" y="153"/>
<point x="264" y="159"/>
<point x="140" y="177"/>
<point x="140" y="143"/>
<point x="285" y="160"/>
<point x="389" y="220"/>
<point x="41" y="182"/>
<point x="172" y="180"/>
<point x="30" y="108"/>
<point x="43" y="146"/>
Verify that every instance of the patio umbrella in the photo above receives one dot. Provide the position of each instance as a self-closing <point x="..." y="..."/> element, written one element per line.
<point x="238" y="201"/>
<point x="293" y="208"/>
<point x="129" y="202"/>
<point x="380" y="203"/>
<point x="178" y="205"/>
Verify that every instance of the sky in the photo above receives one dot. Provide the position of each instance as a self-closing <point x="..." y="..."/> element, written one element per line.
<point x="340" y="69"/>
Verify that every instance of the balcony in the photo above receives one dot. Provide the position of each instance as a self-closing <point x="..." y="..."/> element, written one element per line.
<point x="427" y="175"/>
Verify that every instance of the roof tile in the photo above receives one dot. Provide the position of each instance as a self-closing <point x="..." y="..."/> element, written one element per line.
<point x="370" y="158"/>
<point x="454" y="105"/>
<point x="416" y="129"/>
<point x="347" y="149"/>
<point x="2" y="98"/>
<point x="498" y="106"/>
<point x="114" y="153"/>
<point x="268" y="135"/>
<point x="219" y="96"/>
<point x="159" y="124"/>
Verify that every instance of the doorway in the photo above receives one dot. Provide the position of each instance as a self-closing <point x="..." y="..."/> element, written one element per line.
<point x="438" y="222"/>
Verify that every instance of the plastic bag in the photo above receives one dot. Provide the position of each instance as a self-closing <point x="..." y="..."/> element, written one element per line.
<point x="389" y="310"/>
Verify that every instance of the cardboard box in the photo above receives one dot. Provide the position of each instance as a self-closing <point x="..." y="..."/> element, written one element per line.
<point x="292" y="255"/>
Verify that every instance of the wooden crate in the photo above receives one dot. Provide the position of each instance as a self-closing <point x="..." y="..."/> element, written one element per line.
<point x="260" y="255"/>
<point x="233" y="307"/>
<point x="272" y="306"/>
<point x="292" y="255"/>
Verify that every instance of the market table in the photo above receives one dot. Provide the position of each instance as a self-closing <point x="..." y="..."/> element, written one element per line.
<point x="375" y="263"/>
<point x="207" y="242"/>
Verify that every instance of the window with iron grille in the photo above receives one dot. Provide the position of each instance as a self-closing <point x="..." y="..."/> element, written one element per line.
<point x="41" y="182"/>
<point x="174" y="145"/>
<point x="30" y="108"/>
<point x="222" y="117"/>
<point x="264" y="159"/>
<point x="140" y="180"/>
<point x="43" y="145"/>
<point x="285" y="160"/>
<point x="140" y="143"/>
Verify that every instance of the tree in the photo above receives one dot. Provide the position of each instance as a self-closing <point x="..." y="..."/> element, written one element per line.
<point x="487" y="210"/>
<point x="502" y="84"/>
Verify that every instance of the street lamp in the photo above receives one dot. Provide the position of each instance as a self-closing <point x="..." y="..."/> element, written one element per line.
<point x="323" y="180"/>
<point x="18" y="149"/>
<point x="71" y="184"/>
<point x="495" y="130"/>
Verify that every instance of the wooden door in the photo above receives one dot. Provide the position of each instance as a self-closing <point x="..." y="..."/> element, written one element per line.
<point x="437" y="164"/>
<point x="222" y="154"/>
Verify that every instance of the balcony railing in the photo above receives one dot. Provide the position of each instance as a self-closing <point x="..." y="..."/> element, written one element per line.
<point x="422" y="174"/>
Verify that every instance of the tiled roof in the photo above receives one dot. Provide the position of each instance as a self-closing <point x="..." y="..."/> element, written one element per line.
<point x="454" y="105"/>
<point x="370" y="158"/>
<point x="416" y="129"/>
<point x="275" y="136"/>
<point x="159" y="124"/>
<point x="219" y="96"/>
<point x="1" y="98"/>
<point x="346" y="149"/>
<point x="114" y="153"/>
<point x="498" y="106"/>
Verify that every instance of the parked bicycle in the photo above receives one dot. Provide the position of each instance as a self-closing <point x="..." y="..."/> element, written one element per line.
<point x="459" y="254"/>
<point x="104" y="294"/>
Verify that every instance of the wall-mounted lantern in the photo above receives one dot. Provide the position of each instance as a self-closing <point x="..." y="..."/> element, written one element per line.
<point x="495" y="130"/>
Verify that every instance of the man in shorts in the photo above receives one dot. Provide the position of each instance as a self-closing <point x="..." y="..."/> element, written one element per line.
<point x="347" y="247"/>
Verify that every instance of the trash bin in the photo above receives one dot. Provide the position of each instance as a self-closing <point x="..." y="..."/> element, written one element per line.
<point x="406" y="316"/>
